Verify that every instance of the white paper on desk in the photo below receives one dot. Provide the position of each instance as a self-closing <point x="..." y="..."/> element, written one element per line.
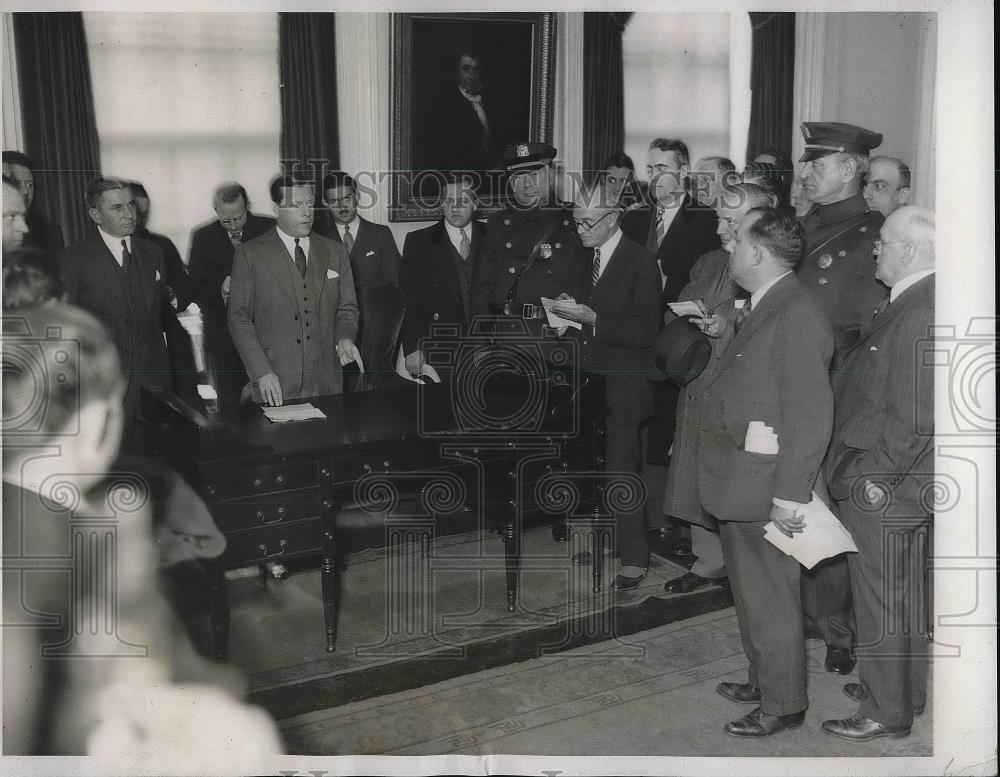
<point x="823" y="536"/>
<point x="688" y="308"/>
<point x="555" y="320"/>
<point x="303" y="412"/>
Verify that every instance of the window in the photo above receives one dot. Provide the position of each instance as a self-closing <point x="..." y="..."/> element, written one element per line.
<point x="183" y="103"/>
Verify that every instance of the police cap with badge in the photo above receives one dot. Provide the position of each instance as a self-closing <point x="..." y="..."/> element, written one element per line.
<point x="522" y="157"/>
<point x="831" y="137"/>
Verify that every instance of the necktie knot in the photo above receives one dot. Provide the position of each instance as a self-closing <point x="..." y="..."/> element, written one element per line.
<point x="741" y="316"/>
<point x="126" y="256"/>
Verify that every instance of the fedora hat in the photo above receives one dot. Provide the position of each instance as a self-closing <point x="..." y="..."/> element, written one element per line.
<point x="681" y="352"/>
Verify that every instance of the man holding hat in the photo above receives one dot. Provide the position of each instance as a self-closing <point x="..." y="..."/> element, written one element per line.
<point x="531" y="249"/>
<point x="837" y="268"/>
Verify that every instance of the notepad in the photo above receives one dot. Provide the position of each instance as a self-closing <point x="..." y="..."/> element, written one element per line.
<point x="301" y="412"/>
<point x="556" y="321"/>
<point x="823" y="536"/>
<point x="688" y="308"/>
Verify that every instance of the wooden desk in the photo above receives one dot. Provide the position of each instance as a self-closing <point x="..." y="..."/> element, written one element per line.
<point x="274" y="489"/>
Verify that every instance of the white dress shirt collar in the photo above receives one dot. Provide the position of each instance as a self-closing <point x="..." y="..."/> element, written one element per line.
<point x="354" y="225"/>
<point x="608" y="249"/>
<point x="289" y="242"/>
<point x="908" y="281"/>
<point x="114" y="245"/>
<point x="758" y="295"/>
<point x="455" y="234"/>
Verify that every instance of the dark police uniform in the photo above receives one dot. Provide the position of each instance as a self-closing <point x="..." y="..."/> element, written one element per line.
<point x="838" y="268"/>
<point x="837" y="264"/>
<point x="513" y="276"/>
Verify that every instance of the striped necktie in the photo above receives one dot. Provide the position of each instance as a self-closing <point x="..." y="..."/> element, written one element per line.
<point x="660" y="229"/>
<point x="348" y="240"/>
<point x="126" y="257"/>
<point x="465" y="245"/>
<point x="595" y="273"/>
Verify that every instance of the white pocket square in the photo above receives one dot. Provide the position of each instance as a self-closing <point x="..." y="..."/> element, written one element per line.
<point x="370" y="253"/>
<point x="157" y="275"/>
<point x="332" y="274"/>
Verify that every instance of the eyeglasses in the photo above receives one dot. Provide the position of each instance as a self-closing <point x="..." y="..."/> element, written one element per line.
<point x="588" y="226"/>
<point x="877" y="246"/>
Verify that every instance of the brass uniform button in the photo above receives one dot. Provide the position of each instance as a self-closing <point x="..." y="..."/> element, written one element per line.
<point x="823" y="281"/>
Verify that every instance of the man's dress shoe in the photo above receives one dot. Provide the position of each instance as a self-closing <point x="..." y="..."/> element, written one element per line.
<point x="759" y="724"/>
<point x="839" y="660"/>
<point x="859" y="693"/>
<point x="688" y="582"/>
<point x="623" y="583"/>
<point x="860" y="729"/>
<point x="743" y="693"/>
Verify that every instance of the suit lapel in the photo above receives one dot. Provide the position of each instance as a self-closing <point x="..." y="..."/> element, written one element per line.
<point x="907" y="299"/>
<point x="147" y="272"/>
<point x="278" y="262"/>
<point x="319" y="263"/>
<point x="446" y="262"/>
<point x="772" y="302"/>
<point x="616" y="266"/>
<point x="108" y="267"/>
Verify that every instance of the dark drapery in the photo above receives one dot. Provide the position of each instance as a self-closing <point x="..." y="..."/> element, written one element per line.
<point x="57" y="105"/>
<point x="604" y="88"/>
<point x="308" y="73"/>
<point x="771" y="82"/>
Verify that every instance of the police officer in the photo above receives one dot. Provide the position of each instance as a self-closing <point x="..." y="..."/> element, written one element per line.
<point x="531" y="249"/>
<point x="840" y="230"/>
<point x="836" y="267"/>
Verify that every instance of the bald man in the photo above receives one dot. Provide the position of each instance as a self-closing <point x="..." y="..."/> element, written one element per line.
<point x="886" y="184"/>
<point x="879" y="468"/>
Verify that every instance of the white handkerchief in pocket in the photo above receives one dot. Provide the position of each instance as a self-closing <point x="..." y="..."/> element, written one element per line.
<point x="760" y="439"/>
<point x="332" y="274"/>
<point x="157" y="275"/>
<point x="370" y="253"/>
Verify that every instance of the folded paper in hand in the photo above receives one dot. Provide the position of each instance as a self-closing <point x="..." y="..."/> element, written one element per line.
<point x="556" y="321"/>
<point x="301" y="412"/>
<point x="823" y="536"/>
<point x="689" y="308"/>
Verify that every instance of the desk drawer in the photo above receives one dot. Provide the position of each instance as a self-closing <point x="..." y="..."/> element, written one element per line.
<point x="404" y="458"/>
<point x="267" y="510"/>
<point x="236" y="484"/>
<point x="273" y="544"/>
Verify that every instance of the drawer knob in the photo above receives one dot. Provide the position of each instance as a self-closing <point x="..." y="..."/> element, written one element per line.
<point x="210" y="490"/>
<point x="257" y="483"/>
<point x="367" y="468"/>
<point x="324" y="472"/>
<point x="280" y="480"/>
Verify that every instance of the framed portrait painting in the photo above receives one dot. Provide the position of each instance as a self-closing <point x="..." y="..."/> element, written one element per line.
<point x="464" y="86"/>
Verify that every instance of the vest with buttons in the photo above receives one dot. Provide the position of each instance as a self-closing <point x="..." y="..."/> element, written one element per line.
<point x="307" y="294"/>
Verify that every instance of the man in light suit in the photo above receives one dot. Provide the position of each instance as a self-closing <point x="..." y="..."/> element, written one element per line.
<point x="210" y="264"/>
<point x="121" y="279"/>
<point x="293" y="314"/>
<point x="620" y="313"/>
<point x="768" y="411"/>
<point x="879" y="470"/>
<point x="436" y="275"/>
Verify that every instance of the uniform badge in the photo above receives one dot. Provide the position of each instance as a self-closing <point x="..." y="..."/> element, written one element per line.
<point x="842" y="253"/>
<point x="558" y="245"/>
<point x="546" y="251"/>
<point x="863" y="229"/>
<point x="522" y="149"/>
<point x="825" y="261"/>
<point x="511" y="270"/>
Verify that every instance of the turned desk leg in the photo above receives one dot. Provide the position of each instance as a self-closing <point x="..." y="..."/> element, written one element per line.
<point x="329" y="592"/>
<point x="220" y="614"/>
<point x="512" y="560"/>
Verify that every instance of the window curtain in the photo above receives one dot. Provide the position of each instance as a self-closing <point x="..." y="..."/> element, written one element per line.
<point x="604" y="89"/>
<point x="308" y="73"/>
<point x="57" y="106"/>
<point x="772" y="73"/>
